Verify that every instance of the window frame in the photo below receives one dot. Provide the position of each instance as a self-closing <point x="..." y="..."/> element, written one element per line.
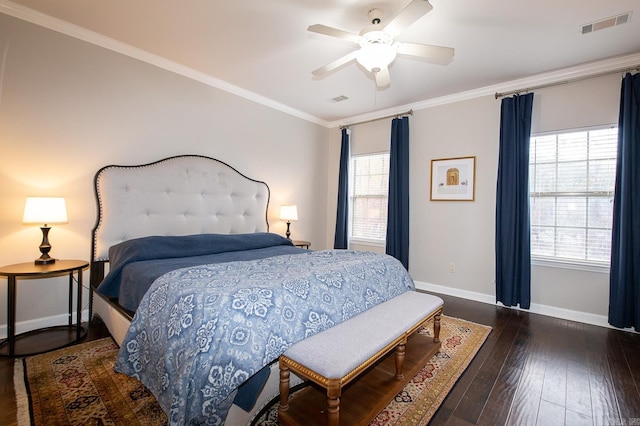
<point x="373" y="242"/>
<point x="569" y="263"/>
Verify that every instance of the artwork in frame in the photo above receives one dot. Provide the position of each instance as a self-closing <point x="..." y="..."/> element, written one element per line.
<point x="453" y="179"/>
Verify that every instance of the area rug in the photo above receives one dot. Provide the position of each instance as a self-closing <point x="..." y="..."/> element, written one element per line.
<point x="77" y="385"/>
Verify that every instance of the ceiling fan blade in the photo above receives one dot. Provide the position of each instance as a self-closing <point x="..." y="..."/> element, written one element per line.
<point x="383" y="79"/>
<point x="410" y="14"/>
<point x="334" y="32"/>
<point x="436" y="54"/>
<point x="346" y="59"/>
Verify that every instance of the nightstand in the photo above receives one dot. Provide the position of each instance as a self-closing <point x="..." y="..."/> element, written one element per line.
<point x="300" y="243"/>
<point x="44" y="339"/>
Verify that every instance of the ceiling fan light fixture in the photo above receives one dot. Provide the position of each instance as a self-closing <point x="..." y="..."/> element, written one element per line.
<point x="376" y="50"/>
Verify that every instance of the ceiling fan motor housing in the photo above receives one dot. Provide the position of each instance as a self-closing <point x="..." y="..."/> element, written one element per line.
<point x="375" y="16"/>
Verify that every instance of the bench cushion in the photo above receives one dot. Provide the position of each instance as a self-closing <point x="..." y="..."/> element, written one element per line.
<point x="335" y="352"/>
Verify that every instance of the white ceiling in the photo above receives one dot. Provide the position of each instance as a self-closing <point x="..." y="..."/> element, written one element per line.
<point x="262" y="49"/>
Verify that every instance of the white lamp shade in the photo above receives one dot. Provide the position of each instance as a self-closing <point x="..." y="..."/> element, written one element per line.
<point x="45" y="210"/>
<point x="289" y="213"/>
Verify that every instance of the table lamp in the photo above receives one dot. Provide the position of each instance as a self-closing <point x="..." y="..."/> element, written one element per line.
<point x="289" y="213"/>
<point x="47" y="211"/>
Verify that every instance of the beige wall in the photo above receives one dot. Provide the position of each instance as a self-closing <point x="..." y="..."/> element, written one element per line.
<point x="463" y="232"/>
<point x="454" y="231"/>
<point x="68" y="108"/>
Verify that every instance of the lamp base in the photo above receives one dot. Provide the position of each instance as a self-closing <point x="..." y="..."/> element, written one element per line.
<point x="48" y="261"/>
<point x="45" y="248"/>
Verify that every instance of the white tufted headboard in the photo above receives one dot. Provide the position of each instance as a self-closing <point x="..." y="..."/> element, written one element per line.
<point x="181" y="195"/>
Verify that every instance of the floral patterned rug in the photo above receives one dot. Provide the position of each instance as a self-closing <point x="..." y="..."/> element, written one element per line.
<point x="77" y="385"/>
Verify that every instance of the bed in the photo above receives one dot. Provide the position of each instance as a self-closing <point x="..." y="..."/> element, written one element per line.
<point x="201" y="298"/>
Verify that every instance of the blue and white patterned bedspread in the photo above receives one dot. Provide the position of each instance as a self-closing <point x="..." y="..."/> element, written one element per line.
<point x="200" y="332"/>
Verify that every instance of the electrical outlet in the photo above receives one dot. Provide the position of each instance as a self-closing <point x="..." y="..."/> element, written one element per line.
<point x="452" y="267"/>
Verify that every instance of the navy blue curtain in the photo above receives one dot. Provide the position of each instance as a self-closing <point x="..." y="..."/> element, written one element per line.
<point x="398" y="205"/>
<point x="341" y="239"/>
<point x="513" y="251"/>
<point x="624" y="275"/>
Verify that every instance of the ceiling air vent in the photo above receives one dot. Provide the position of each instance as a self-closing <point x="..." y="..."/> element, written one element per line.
<point x="339" y="98"/>
<point x="605" y="23"/>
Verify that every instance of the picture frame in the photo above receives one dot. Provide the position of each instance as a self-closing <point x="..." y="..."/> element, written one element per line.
<point x="453" y="179"/>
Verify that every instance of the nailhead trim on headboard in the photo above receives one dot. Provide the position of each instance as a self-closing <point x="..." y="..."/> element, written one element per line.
<point x="182" y="195"/>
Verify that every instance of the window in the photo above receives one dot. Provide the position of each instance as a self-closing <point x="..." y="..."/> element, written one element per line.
<point x="571" y="184"/>
<point x="369" y="192"/>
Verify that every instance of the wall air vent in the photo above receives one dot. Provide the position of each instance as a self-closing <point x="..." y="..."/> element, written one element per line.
<point x="339" y="98"/>
<point x="605" y="23"/>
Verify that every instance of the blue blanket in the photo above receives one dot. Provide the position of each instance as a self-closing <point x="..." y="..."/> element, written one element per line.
<point x="200" y="332"/>
<point x="135" y="264"/>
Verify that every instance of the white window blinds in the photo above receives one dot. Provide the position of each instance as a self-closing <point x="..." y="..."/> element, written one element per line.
<point x="369" y="191"/>
<point x="571" y="184"/>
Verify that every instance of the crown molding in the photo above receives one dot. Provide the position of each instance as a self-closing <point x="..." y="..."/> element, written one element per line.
<point x="29" y="15"/>
<point x="577" y="72"/>
<point x="591" y="69"/>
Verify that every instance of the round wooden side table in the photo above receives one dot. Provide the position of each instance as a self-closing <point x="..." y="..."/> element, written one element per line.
<point x="33" y="341"/>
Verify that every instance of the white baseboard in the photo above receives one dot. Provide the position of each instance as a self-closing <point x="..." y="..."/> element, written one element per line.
<point x="34" y="324"/>
<point x="464" y="294"/>
<point x="552" y="311"/>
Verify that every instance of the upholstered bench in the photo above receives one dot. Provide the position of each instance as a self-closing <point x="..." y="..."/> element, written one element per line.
<point x="338" y="355"/>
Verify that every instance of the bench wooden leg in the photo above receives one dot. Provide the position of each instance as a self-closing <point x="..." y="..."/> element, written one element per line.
<point x="436" y="328"/>
<point x="333" y="402"/>
<point x="284" y="387"/>
<point x="400" y="351"/>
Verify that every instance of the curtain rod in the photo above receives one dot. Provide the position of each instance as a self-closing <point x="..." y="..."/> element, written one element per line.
<point x="410" y="112"/>
<point x="571" y="80"/>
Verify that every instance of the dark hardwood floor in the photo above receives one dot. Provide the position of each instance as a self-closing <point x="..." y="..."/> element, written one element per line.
<point x="532" y="370"/>
<point x="539" y="370"/>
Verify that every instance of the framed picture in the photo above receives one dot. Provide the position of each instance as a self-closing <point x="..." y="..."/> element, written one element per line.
<point x="453" y="179"/>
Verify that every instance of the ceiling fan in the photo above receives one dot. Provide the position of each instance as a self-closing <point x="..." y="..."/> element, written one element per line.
<point x="378" y="47"/>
